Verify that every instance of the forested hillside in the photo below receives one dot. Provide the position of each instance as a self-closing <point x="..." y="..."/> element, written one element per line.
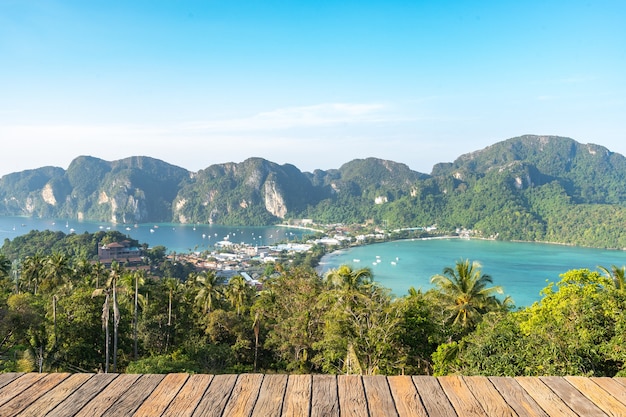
<point x="63" y="313"/>
<point x="535" y="188"/>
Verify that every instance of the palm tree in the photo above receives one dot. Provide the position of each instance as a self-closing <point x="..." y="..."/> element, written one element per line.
<point x="32" y="271"/>
<point x="617" y="275"/>
<point x="238" y="292"/>
<point x="5" y="266"/>
<point x="209" y="291"/>
<point x="347" y="278"/>
<point x="467" y="293"/>
<point x="110" y="297"/>
<point x="172" y="285"/>
<point x="56" y="271"/>
<point x="5" y="272"/>
<point x="130" y="282"/>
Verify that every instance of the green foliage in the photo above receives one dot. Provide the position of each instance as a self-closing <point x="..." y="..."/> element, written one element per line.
<point x="576" y="329"/>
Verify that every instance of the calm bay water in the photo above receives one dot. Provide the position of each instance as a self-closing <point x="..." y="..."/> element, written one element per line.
<point x="175" y="237"/>
<point x="522" y="269"/>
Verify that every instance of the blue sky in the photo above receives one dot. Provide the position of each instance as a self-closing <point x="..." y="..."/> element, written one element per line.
<point x="311" y="83"/>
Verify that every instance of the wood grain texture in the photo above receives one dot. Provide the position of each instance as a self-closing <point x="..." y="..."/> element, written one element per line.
<point x="378" y="396"/>
<point x="53" y="397"/>
<point x="9" y="377"/>
<point x="134" y="396"/>
<point x="189" y="395"/>
<point x="105" y="399"/>
<point x="610" y="385"/>
<point x="406" y="397"/>
<point x="162" y="396"/>
<point x="517" y="397"/>
<point x="596" y="394"/>
<point x="270" y="400"/>
<point x="580" y="404"/>
<point x="352" y="402"/>
<point x="461" y="397"/>
<point x="244" y="395"/>
<point x="216" y="396"/>
<point x="18" y="385"/>
<point x="433" y="397"/>
<point x="324" y="396"/>
<point x="22" y="400"/>
<point x="488" y="397"/>
<point x="297" y="402"/>
<point x="252" y="395"/>
<point x="545" y="397"/>
<point x="93" y="387"/>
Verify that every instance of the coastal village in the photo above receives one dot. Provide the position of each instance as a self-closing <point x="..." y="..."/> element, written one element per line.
<point x="229" y="259"/>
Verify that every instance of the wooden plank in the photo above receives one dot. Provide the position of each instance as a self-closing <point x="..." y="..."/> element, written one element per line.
<point x="545" y="397"/>
<point x="405" y="397"/>
<point x="613" y="387"/>
<point x="621" y="380"/>
<point x="378" y="396"/>
<point x="572" y="397"/>
<point x="244" y="395"/>
<point x="28" y="396"/>
<point x="132" y="398"/>
<point x="517" y="397"/>
<point x="297" y="402"/>
<point x="460" y="396"/>
<point x="17" y="386"/>
<point x="433" y="397"/>
<point x="55" y="396"/>
<point x="324" y="396"/>
<point x="216" y="396"/>
<point x="352" y="401"/>
<point x="270" y="400"/>
<point x="188" y="397"/>
<point x="488" y="396"/>
<point x="8" y="377"/>
<point x="102" y="401"/>
<point x="85" y="393"/>
<point x="161" y="396"/>
<point x="605" y="401"/>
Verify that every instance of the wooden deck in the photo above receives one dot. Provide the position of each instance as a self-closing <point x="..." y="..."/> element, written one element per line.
<point x="63" y="394"/>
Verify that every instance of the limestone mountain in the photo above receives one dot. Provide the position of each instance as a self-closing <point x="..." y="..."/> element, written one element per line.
<point x="545" y="188"/>
<point x="130" y="190"/>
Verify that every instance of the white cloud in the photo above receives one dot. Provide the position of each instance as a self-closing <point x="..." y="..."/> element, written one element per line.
<point x="318" y="115"/>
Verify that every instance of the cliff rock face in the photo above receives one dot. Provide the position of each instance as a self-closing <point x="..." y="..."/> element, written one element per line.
<point x="508" y="179"/>
<point x="274" y="200"/>
<point x="127" y="191"/>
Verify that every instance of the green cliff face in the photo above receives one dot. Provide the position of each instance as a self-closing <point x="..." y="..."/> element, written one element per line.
<point x="544" y="188"/>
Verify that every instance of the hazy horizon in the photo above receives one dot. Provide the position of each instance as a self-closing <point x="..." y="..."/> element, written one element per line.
<point x="313" y="84"/>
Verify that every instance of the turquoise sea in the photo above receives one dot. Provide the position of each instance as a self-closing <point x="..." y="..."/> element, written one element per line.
<point x="522" y="269"/>
<point x="175" y="237"/>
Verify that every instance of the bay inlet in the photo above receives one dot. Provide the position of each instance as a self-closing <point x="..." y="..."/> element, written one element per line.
<point x="522" y="269"/>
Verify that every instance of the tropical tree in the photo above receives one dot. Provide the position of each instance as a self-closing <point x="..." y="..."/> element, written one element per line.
<point x="209" y="290"/>
<point x="5" y="273"/>
<point x="290" y="317"/>
<point x="5" y="266"/>
<point x="57" y="270"/>
<point x="349" y="279"/>
<point x="130" y="283"/>
<point x="171" y="285"/>
<point x="577" y="328"/>
<point x="239" y="293"/>
<point x="466" y="293"/>
<point x="617" y="275"/>
<point x="32" y="271"/>
<point x="110" y="301"/>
